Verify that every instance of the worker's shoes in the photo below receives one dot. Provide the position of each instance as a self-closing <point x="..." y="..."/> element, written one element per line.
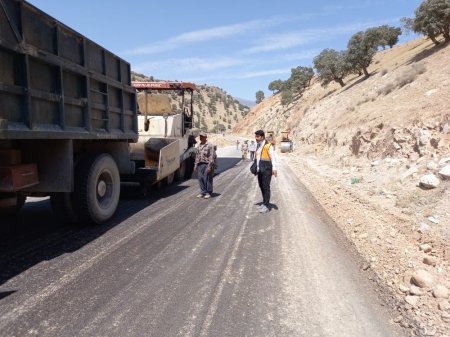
<point x="263" y="209"/>
<point x="200" y="196"/>
<point x="207" y="196"/>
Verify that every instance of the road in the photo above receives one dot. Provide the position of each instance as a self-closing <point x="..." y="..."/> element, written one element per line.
<point x="174" y="265"/>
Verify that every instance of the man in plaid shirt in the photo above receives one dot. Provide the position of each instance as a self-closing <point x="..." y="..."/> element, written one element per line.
<point x="204" y="165"/>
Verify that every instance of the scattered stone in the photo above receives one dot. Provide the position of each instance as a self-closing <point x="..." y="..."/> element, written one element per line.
<point x="375" y="163"/>
<point x="425" y="247"/>
<point x="414" y="290"/>
<point x="411" y="300"/>
<point x="443" y="305"/>
<point x="446" y="128"/>
<point x="440" y="291"/>
<point x="429" y="181"/>
<point x="445" y="172"/>
<point x="444" y="161"/>
<point x="433" y="219"/>
<point x="432" y="165"/>
<point x="422" y="279"/>
<point x="403" y="288"/>
<point x="430" y="260"/>
<point x="423" y="227"/>
<point x="363" y="236"/>
<point x="398" y="319"/>
<point x="411" y="171"/>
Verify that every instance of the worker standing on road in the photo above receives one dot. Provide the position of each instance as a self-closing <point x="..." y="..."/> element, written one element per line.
<point x="244" y="149"/>
<point x="266" y="167"/>
<point x="252" y="149"/>
<point x="204" y="164"/>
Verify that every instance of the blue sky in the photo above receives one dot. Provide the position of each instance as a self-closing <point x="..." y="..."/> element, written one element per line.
<point x="240" y="46"/>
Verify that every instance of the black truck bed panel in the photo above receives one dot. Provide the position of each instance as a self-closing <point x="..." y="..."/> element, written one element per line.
<point x="56" y="83"/>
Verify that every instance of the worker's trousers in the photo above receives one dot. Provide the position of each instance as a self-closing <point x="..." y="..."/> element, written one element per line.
<point x="205" y="179"/>
<point x="264" y="179"/>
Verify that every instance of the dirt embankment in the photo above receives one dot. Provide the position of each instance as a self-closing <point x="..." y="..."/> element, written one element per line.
<point x="372" y="153"/>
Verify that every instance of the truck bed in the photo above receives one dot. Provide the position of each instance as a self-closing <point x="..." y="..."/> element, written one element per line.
<point x="57" y="84"/>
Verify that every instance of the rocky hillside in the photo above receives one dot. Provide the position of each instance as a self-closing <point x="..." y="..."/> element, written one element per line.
<point x="215" y="110"/>
<point x="402" y="110"/>
<point x="376" y="156"/>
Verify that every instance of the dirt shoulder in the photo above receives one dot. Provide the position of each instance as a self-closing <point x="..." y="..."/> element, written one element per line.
<point x="400" y="231"/>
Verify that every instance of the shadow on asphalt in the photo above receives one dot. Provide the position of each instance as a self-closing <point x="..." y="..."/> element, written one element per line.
<point x="35" y="235"/>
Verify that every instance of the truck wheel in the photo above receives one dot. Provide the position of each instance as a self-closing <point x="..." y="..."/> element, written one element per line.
<point x="11" y="204"/>
<point x="62" y="206"/>
<point x="97" y="188"/>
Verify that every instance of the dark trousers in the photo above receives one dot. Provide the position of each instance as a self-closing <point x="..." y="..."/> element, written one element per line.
<point x="205" y="179"/>
<point x="264" y="179"/>
<point x="252" y="155"/>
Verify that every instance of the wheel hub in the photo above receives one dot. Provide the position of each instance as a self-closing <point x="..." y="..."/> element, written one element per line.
<point x="101" y="188"/>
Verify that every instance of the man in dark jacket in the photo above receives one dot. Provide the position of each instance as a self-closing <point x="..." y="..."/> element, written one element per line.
<point x="266" y="167"/>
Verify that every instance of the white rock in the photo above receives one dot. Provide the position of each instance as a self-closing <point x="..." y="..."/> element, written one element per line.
<point x="412" y="300"/>
<point x="414" y="290"/>
<point x="423" y="227"/>
<point x="445" y="172"/>
<point x="422" y="279"/>
<point x="446" y="129"/>
<point x="429" y="181"/>
<point x="440" y="291"/>
<point x="432" y="165"/>
<point x="375" y="163"/>
<point x="443" y="305"/>
<point x="425" y="247"/>
<point x="444" y="161"/>
<point x="430" y="260"/>
<point x="403" y="288"/>
<point x="433" y="219"/>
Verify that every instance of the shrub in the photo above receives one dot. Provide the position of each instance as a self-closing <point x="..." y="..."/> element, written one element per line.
<point x="386" y="89"/>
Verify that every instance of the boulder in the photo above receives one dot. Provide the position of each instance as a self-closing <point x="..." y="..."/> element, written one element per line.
<point x="445" y="172"/>
<point x="422" y="279"/>
<point x="429" y="181"/>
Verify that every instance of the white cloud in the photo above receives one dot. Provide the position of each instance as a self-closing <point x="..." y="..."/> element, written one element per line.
<point x="205" y="35"/>
<point x="298" y="38"/>
<point x="263" y="73"/>
<point x="189" y="64"/>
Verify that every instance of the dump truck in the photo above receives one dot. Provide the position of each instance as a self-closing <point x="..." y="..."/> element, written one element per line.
<point x="68" y="119"/>
<point x="70" y="124"/>
<point x="165" y="150"/>
<point x="286" y="144"/>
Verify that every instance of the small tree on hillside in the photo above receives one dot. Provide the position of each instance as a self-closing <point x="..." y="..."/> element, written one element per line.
<point x="331" y="66"/>
<point x="259" y="96"/>
<point x="277" y="86"/>
<point x="432" y="19"/>
<point x="383" y="36"/>
<point x="286" y="97"/>
<point x="360" y="52"/>
<point x="390" y="35"/>
<point x="300" y="79"/>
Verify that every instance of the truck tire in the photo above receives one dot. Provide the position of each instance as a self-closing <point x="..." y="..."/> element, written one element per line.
<point x="63" y="207"/>
<point x="18" y="200"/>
<point x="97" y="188"/>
